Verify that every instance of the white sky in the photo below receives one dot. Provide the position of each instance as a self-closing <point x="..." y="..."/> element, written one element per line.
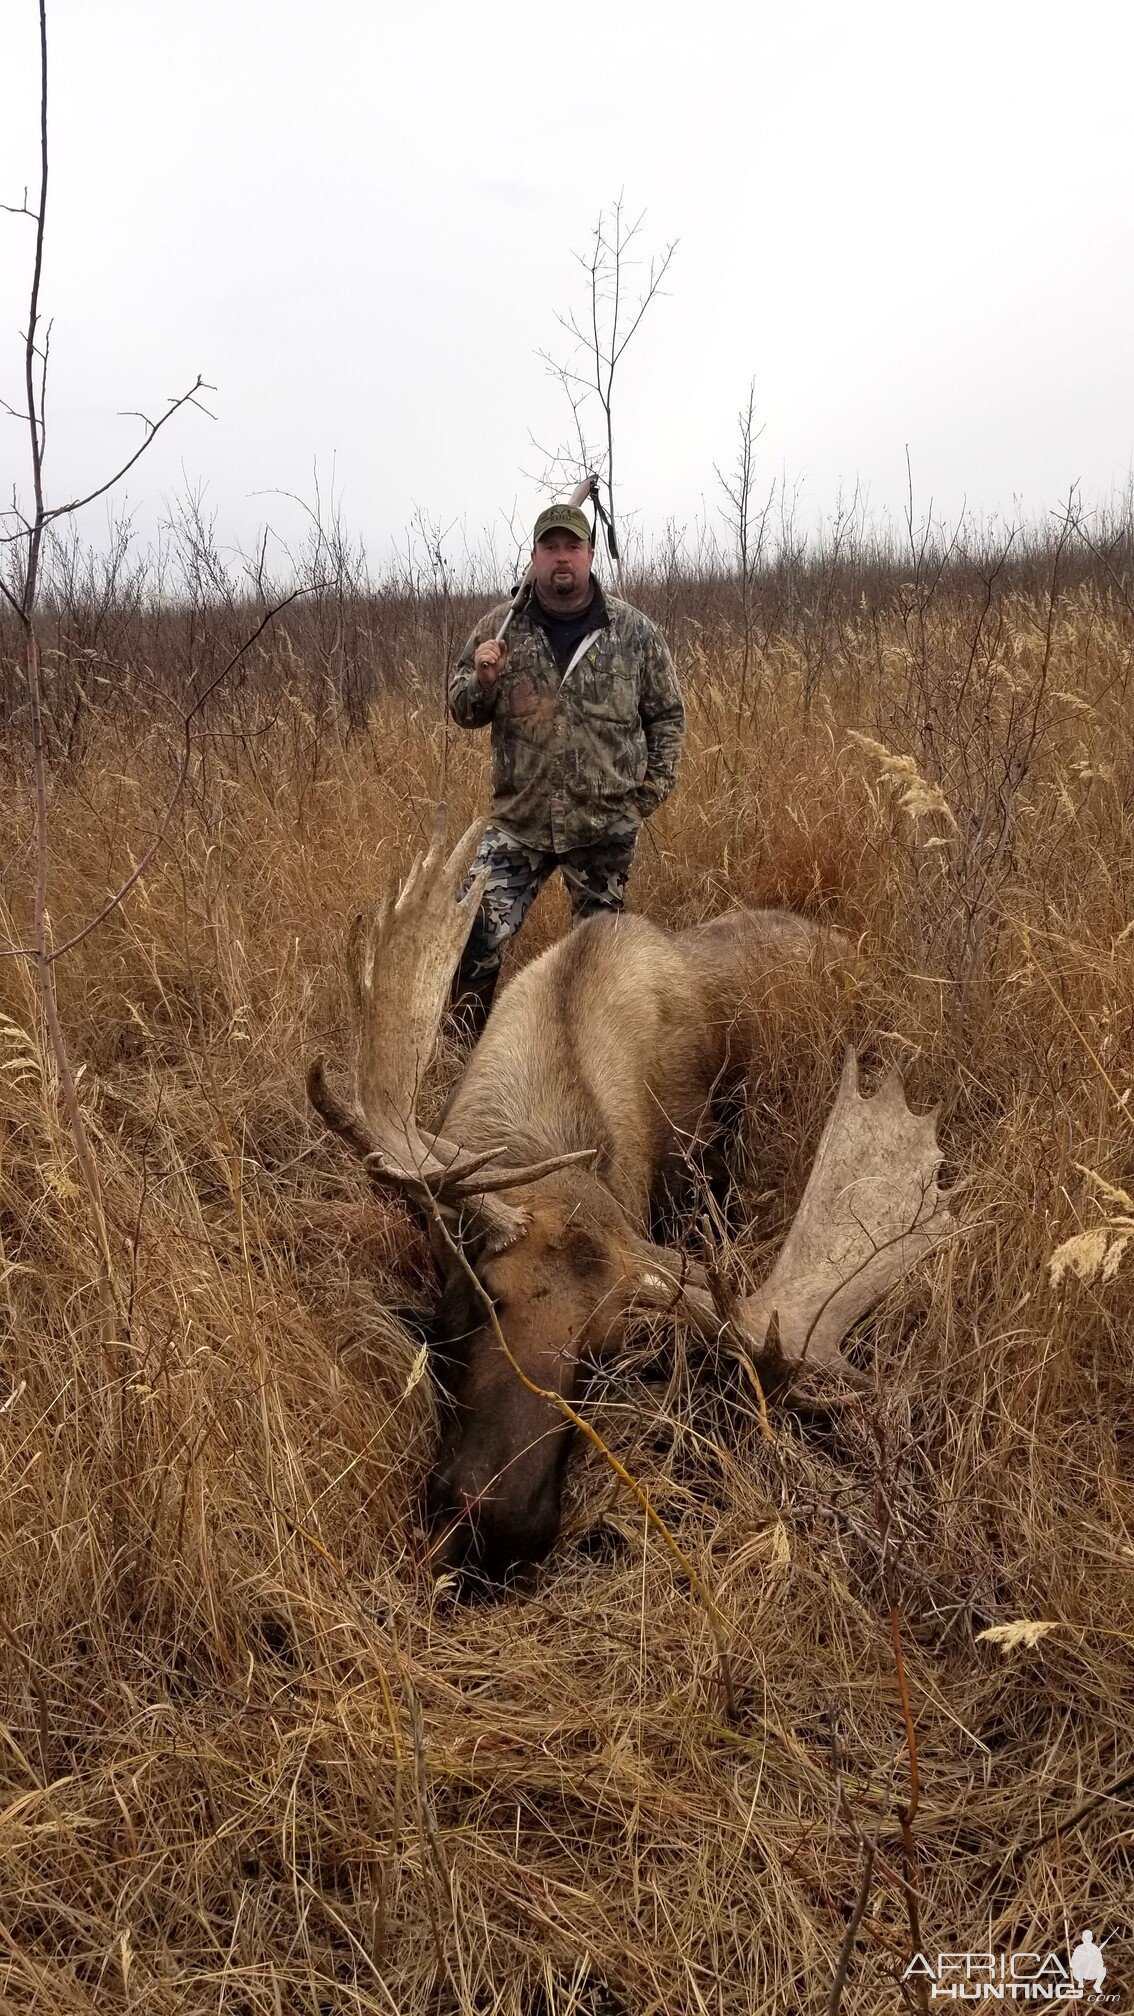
<point x="909" y="223"/>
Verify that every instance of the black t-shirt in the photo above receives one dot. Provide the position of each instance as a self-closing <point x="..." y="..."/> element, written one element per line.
<point x="566" y="633"/>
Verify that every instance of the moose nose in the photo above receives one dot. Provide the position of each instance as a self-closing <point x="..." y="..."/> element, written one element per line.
<point x="449" y="1511"/>
<point x="490" y="1533"/>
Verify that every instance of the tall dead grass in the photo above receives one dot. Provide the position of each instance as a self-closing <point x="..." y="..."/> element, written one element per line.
<point x="253" y="1759"/>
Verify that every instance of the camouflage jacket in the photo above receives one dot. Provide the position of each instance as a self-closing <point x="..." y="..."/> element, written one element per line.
<point x="580" y="755"/>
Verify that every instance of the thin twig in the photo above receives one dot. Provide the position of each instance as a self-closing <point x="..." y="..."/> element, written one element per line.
<point x="835" y="2002"/>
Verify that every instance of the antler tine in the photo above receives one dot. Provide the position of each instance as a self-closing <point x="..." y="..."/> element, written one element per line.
<point x="424" y="865"/>
<point x="513" y="1179"/>
<point x="433" y="876"/>
<point x="471" y="834"/>
<point x="338" y="1117"/>
<point x="498" y="1222"/>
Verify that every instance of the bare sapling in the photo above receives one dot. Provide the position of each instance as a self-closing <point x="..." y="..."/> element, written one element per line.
<point x="747" y="524"/>
<point x="600" y="334"/>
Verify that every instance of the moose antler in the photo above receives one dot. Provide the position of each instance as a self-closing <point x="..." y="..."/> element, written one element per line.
<point x="870" y="1212"/>
<point x="401" y="960"/>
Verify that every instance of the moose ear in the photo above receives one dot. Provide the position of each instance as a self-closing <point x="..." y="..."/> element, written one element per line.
<point x="499" y="1237"/>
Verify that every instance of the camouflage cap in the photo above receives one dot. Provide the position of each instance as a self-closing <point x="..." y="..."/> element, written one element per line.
<point x="563" y="518"/>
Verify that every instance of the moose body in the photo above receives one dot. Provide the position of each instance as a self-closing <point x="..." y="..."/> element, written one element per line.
<point x="615" y="1039"/>
<point x="597" y="1080"/>
<point x="625" y="1040"/>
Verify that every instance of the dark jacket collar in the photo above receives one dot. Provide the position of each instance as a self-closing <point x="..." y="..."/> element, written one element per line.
<point x="596" y="613"/>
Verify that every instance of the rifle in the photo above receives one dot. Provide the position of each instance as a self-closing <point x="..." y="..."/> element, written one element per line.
<point x="588" y="488"/>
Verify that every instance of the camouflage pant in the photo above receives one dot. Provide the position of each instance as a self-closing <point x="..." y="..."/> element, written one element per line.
<point x="596" y="878"/>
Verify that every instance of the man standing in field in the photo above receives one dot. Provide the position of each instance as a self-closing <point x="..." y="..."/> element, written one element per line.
<point x="587" y="723"/>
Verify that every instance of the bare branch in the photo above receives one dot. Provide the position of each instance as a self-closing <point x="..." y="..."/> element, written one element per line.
<point x="652" y="289"/>
<point x="46" y="517"/>
<point x="44" y="354"/>
<point x="21" y="209"/>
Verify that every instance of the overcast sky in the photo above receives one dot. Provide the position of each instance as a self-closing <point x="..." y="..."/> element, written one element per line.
<point x="910" y="224"/>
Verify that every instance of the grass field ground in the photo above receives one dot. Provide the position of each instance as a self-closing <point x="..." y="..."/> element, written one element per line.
<point x="254" y="1760"/>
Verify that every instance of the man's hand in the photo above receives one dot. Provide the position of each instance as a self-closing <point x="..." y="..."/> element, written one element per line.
<point x="488" y="659"/>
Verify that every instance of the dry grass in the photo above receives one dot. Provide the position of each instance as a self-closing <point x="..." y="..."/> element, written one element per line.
<point x="253" y="1760"/>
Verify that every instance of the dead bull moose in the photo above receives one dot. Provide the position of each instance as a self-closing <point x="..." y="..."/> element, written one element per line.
<point x="597" y="1070"/>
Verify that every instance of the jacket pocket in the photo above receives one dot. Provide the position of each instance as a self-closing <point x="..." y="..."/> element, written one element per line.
<point x="607" y="693"/>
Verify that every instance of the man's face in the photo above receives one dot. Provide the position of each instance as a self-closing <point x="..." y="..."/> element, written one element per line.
<point x="562" y="567"/>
